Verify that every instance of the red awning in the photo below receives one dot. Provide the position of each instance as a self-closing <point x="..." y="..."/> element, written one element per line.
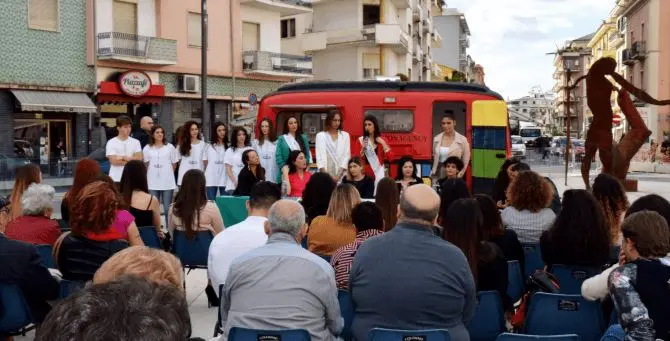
<point x="110" y="93"/>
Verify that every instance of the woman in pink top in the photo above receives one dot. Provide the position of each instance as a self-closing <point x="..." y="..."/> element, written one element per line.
<point x="296" y="176"/>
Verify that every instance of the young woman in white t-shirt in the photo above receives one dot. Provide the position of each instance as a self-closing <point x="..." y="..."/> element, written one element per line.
<point x="216" y="170"/>
<point x="191" y="150"/>
<point x="266" y="148"/>
<point x="240" y="141"/>
<point x="161" y="159"/>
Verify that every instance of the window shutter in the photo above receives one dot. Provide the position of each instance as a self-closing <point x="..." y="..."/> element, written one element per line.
<point x="125" y="17"/>
<point x="43" y="14"/>
<point x="250" y="39"/>
<point x="371" y="61"/>
<point x="194" y="29"/>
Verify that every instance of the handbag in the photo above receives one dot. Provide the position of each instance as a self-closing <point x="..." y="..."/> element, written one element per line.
<point x="539" y="281"/>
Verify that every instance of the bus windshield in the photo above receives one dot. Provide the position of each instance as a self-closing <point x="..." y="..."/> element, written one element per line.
<point x="530" y="132"/>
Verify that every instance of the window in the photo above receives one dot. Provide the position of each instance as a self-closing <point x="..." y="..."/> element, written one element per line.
<point x="370" y="73"/>
<point x="370" y="14"/>
<point x="524" y="102"/>
<point x="524" y="110"/>
<point x="393" y="120"/>
<point x="194" y="30"/>
<point x="43" y="15"/>
<point x="125" y="17"/>
<point x="371" y="67"/>
<point x="250" y="36"/>
<point x="288" y="28"/>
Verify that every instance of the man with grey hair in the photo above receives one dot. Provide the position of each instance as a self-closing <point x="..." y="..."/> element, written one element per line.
<point x="423" y="282"/>
<point x="35" y="226"/>
<point x="281" y="285"/>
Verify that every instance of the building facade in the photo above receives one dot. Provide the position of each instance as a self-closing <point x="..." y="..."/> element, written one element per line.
<point x="535" y="108"/>
<point x="453" y="28"/>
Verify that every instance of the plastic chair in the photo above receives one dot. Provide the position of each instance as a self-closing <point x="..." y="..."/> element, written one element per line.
<point x="68" y="288"/>
<point x="533" y="259"/>
<point x="515" y="285"/>
<point x="193" y="252"/>
<point x="46" y="253"/>
<point x="571" y="278"/>
<point x="381" y="334"/>
<point x="150" y="237"/>
<point x="557" y="314"/>
<point x="489" y="319"/>
<point x="347" y="311"/>
<point x="15" y="316"/>
<point x="524" y="337"/>
<point x="244" y="334"/>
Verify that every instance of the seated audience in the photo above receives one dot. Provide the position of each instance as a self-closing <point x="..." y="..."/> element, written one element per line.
<point x="151" y="264"/>
<point x="316" y="196"/>
<point x="35" y="225"/>
<point x="329" y="232"/>
<point x="387" y="199"/>
<point x="579" y="235"/>
<point x="461" y="225"/>
<point x="409" y="278"/>
<point x="25" y="176"/>
<point x="129" y="308"/>
<point x="85" y="172"/>
<point x="453" y="165"/>
<point x="450" y="191"/>
<point x="611" y="196"/>
<point x="502" y="182"/>
<point x="555" y="203"/>
<point x="367" y="219"/>
<point x="124" y="221"/>
<point x="529" y="196"/>
<point x="21" y="264"/>
<point x="281" y="285"/>
<point x="295" y="176"/>
<point x="93" y="240"/>
<point x="251" y="174"/>
<point x="407" y="173"/>
<point x="144" y="207"/>
<point x="639" y="287"/>
<point x="357" y="177"/>
<point x="243" y="237"/>
<point x="493" y="231"/>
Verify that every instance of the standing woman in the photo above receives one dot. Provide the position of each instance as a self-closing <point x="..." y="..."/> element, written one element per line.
<point x="333" y="149"/>
<point x="266" y="147"/>
<point x="292" y="140"/>
<point x="216" y="169"/>
<point x="374" y="148"/>
<point x="240" y="141"/>
<point x="191" y="150"/>
<point x="161" y="159"/>
<point x="449" y="143"/>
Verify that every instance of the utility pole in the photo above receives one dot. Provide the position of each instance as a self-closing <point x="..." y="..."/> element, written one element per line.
<point x="568" y="103"/>
<point x="203" y="71"/>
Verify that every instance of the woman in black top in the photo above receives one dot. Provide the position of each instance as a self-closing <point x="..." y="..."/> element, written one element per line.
<point x="135" y="191"/>
<point x="407" y="173"/>
<point x="251" y="174"/>
<point x="493" y="230"/>
<point x="355" y="176"/>
<point x="502" y="181"/>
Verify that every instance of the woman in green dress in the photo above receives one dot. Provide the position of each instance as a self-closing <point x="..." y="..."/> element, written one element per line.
<point x="293" y="139"/>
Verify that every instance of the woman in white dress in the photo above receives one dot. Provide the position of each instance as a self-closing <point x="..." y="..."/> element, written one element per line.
<point x="333" y="147"/>
<point x="191" y="150"/>
<point x="161" y="160"/>
<point x="266" y="148"/>
<point x="216" y="170"/>
<point x="240" y="141"/>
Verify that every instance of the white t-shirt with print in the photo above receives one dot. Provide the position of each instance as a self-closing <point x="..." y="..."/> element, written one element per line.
<point x="216" y="170"/>
<point x="192" y="161"/>
<point x="118" y="147"/>
<point x="234" y="158"/>
<point x="160" y="176"/>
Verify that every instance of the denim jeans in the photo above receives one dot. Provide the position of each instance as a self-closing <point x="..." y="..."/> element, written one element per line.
<point x="212" y="191"/>
<point x="165" y="198"/>
<point x="614" y="333"/>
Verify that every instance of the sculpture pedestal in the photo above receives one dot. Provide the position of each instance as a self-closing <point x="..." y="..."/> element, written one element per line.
<point x="630" y="185"/>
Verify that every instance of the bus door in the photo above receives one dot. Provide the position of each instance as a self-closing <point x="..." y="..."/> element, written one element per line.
<point x="490" y="147"/>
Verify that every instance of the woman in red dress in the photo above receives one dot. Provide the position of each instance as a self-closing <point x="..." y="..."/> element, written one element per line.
<point x="373" y="149"/>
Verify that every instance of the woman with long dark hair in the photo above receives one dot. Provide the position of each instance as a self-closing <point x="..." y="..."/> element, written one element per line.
<point x="240" y="141"/>
<point x="407" y="173"/>
<point x="191" y="150"/>
<point x="316" y="196"/>
<point x="135" y="192"/>
<point x="297" y="176"/>
<point x="332" y="147"/>
<point x="451" y="190"/>
<point x="266" y="147"/>
<point x="388" y="198"/>
<point x="292" y="140"/>
<point x="161" y="160"/>
<point x="251" y="174"/>
<point x="502" y="181"/>
<point x="449" y="143"/>
<point x="215" y="173"/>
<point x="611" y="196"/>
<point x="494" y="231"/>
<point x="374" y="148"/>
<point x="355" y="176"/>
<point x="85" y="172"/>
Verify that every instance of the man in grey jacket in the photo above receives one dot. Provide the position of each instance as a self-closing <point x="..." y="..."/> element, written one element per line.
<point x="281" y="285"/>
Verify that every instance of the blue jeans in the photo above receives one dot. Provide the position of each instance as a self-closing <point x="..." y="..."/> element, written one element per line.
<point x="614" y="333"/>
<point x="165" y="198"/>
<point x="212" y="191"/>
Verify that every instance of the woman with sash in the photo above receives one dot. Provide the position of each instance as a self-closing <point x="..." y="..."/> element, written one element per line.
<point x="292" y="140"/>
<point x="374" y="149"/>
<point x="333" y="149"/>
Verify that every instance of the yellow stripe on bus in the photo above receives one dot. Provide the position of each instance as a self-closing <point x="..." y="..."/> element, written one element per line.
<point x="489" y="113"/>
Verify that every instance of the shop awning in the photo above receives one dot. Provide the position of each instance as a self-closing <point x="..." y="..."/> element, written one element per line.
<point x="110" y="93"/>
<point x="54" y="101"/>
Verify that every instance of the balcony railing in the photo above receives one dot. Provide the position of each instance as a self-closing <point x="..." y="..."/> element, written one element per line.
<point x="136" y="48"/>
<point x="276" y="63"/>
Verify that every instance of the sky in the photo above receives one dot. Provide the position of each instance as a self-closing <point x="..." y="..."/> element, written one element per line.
<point x="510" y="38"/>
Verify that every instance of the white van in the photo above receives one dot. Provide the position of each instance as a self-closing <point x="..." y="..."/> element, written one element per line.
<point x="529" y="134"/>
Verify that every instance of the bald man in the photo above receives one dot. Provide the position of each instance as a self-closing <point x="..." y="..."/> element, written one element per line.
<point x="146" y="124"/>
<point x="410" y="278"/>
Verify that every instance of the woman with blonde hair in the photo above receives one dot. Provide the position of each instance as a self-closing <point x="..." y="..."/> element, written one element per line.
<point x="151" y="264"/>
<point x="25" y="176"/>
<point x="329" y="232"/>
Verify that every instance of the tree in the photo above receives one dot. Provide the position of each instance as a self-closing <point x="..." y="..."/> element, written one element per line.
<point x="402" y="77"/>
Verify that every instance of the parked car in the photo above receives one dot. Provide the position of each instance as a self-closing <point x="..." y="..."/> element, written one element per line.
<point x="518" y="147"/>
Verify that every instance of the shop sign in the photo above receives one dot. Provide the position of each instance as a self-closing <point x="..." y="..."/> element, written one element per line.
<point x="135" y="83"/>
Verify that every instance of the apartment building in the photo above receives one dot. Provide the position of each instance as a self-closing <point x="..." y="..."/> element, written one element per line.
<point x="363" y="39"/>
<point x="537" y="107"/>
<point x="455" y="32"/>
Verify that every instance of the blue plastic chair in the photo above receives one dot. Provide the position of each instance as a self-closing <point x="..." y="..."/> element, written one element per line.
<point x="381" y="334"/>
<point x="347" y="311"/>
<point x="46" y="254"/>
<point x="68" y="288"/>
<point x="244" y="334"/>
<point x="515" y="282"/>
<point x="533" y="259"/>
<point x="557" y="314"/>
<point x="571" y="278"/>
<point x="15" y="316"/>
<point x="489" y="319"/>
<point x="524" y="337"/>
<point x="193" y="252"/>
<point x="150" y="237"/>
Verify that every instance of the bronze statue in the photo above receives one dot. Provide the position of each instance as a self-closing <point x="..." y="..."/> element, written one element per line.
<point x="615" y="157"/>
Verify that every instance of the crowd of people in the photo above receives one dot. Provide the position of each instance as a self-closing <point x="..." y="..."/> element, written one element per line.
<point x="414" y="258"/>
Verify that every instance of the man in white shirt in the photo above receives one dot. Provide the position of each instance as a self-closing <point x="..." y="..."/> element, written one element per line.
<point x="122" y="148"/>
<point x="241" y="238"/>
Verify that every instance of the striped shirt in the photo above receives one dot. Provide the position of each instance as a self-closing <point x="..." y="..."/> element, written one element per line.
<point x="344" y="257"/>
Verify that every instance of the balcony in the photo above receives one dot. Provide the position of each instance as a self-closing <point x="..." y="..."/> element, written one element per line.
<point x="391" y="35"/>
<point x="615" y="39"/>
<point x="464" y="41"/>
<point x="401" y="4"/>
<point x="417" y="13"/>
<point x="627" y="57"/>
<point x="417" y="55"/>
<point x="427" y="25"/>
<point x="276" y="64"/>
<point x="436" y="40"/>
<point x="138" y="49"/>
<point x="639" y="50"/>
<point x="283" y="7"/>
